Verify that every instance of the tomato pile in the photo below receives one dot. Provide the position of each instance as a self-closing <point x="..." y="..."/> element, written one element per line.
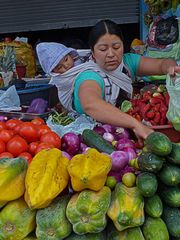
<point x="25" y="139"/>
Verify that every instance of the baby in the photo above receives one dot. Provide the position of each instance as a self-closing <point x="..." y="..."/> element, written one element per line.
<point x="55" y="58"/>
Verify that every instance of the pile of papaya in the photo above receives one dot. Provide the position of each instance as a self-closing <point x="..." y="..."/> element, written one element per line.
<point x="54" y="198"/>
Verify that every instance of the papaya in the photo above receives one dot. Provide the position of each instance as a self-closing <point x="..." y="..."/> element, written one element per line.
<point x="52" y="223"/>
<point x="127" y="207"/>
<point x="46" y="178"/>
<point x="86" y="210"/>
<point x="12" y="178"/>
<point x="16" y="220"/>
<point x="88" y="236"/>
<point x="155" y="228"/>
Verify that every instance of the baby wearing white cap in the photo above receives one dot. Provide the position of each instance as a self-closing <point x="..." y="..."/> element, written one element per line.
<point x="55" y="58"/>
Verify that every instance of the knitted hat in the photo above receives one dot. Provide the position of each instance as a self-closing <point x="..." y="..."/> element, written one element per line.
<point x="51" y="53"/>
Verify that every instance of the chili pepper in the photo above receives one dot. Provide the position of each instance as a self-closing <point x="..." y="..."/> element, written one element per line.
<point x="163" y="107"/>
<point x="150" y="114"/>
<point x="155" y="100"/>
<point x="163" y="118"/>
<point x="167" y="98"/>
<point x="138" y="117"/>
<point x="145" y="109"/>
<point x="157" y="107"/>
<point x="158" y="95"/>
<point x="136" y="110"/>
<point x="153" y="123"/>
<point x="157" y="118"/>
<point x="146" y="97"/>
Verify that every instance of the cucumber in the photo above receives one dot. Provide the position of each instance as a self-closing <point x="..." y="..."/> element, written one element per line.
<point x="158" y="143"/>
<point x="94" y="140"/>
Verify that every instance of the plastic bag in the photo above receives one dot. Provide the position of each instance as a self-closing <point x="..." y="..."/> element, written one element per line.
<point x="167" y="31"/>
<point x="82" y="122"/>
<point x="173" y="88"/>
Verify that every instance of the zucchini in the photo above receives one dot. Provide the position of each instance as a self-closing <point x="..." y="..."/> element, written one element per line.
<point x="158" y="143"/>
<point x="94" y="140"/>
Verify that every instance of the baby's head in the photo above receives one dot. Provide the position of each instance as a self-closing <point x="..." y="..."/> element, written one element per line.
<point x="55" y="57"/>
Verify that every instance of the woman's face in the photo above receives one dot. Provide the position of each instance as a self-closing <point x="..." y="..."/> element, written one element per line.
<point x="108" y="52"/>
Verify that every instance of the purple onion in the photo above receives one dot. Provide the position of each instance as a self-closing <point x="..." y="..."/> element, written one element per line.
<point x="67" y="155"/>
<point x="131" y="153"/>
<point x="116" y="175"/>
<point x="100" y="130"/>
<point x="119" y="160"/>
<point x="82" y="147"/>
<point x="109" y="128"/>
<point x="126" y="170"/>
<point x="122" y="133"/>
<point x="70" y="143"/>
<point x="108" y="136"/>
<point x="124" y="143"/>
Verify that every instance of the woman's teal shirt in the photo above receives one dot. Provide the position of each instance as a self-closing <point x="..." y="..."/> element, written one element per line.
<point x="130" y="60"/>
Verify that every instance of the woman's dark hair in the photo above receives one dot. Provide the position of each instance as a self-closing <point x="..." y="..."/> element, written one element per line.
<point x="101" y="28"/>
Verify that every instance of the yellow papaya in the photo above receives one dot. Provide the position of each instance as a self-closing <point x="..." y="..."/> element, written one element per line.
<point x="127" y="207"/>
<point x="46" y="178"/>
<point x="16" y="220"/>
<point x="12" y="178"/>
<point x="89" y="170"/>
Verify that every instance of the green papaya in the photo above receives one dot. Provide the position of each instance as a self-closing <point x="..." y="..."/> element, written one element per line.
<point x="88" y="236"/>
<point x="17" y="220"/>
<point x="86" y="210"/>
<point x="52" y="223"/>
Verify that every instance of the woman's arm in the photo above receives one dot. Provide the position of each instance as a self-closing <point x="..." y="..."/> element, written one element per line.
<point x="154" y="66"/>
<point x="94" y="106"/>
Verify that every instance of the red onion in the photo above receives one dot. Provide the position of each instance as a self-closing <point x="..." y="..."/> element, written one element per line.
<point x="70" y="143"/>
<point x="122" y="133"/>
<point x="116" y="175"/>
<point x="100" y="130"/>
<point x="67" y="155"/>
<point x="126" y="170"/>
<point x="119" y="160"/>
<point x="109" y="128"/>
<point x="108" y="136"/>
<point x="131" y="153"/>
<point x="124" y="143"/>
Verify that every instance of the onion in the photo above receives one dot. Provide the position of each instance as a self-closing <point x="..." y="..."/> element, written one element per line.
<point x="3" y="118"/>
<point x="82" y="147"/>
<point x="122" y="133"/>
<point x="70" y="143"/>
<point x="119" y="160"/>
<point x="65" y="154"/>
<point x="116" y="175"/>
<point x="124" y="143"/>
<point x="109" y="128"/>
<point x="126" y="170"/>
<point x="108" y="136"/>
<point x="100" y="130"/>
<point x="131" y="153"/>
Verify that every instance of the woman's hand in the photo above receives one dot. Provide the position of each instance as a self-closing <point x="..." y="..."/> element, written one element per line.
<point x="173" y="70"/>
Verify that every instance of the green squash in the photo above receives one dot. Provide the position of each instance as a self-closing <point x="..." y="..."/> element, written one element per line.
<point x="147" y="183"/>
<point x="170" y="195"/>
<point x="158" y="143"/>
<point x="87" y="210"/>
<point x="127" y="207"/>
<point x="52" y="223"/>
<point x="170" y="174"/>
<point x="171" y="217"/>
<point x="17" y="220"/>
<point x="174" y="155"/>
<point x="155" y="229"/>
<point x="153" y="206"/>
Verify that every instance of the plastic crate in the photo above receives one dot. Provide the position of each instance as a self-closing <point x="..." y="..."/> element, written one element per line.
<point x="47" y="92"/>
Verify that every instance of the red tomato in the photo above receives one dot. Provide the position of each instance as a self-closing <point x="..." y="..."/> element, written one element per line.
<point x="52" y="138"/>
<point x="6" y="135"/>
<point x="32" y="148"/>
<point x="16" y="129"/>
<point x="6" y="155"/>
<point x="17" y="145"/>
<point x="29" y="132"/>
<point x="42" y="129"/>
<point x="42" y="146"/>
<point x="12" y="123"/>
<point x="2" y="146"/>
<point x="38" y="121"/>
<point x="2" y="125"/>
<point x="26" y="155"/>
